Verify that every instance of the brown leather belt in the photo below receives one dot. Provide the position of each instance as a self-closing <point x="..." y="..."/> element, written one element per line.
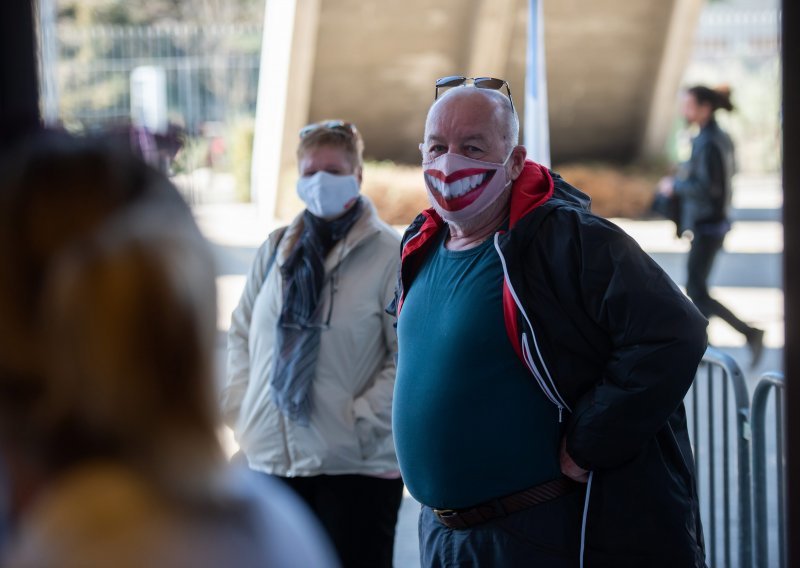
<point x="504" y="506"/>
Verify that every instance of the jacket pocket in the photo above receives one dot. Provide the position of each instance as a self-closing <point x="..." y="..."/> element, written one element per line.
<point x="367" y="438"/>
<point x="374" y="439"/>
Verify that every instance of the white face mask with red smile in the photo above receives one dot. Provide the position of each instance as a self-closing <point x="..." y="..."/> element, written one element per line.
<point x="461" y="188"/>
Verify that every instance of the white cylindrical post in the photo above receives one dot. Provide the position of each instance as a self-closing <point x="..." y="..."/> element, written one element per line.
<point x="536" y="123"/>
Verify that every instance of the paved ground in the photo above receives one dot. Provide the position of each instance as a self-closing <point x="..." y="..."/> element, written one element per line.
<point x="747" y="279"/>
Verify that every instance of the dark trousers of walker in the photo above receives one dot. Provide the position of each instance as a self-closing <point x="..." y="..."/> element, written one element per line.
<point x="358" y="512"/>
<point x="700" y="261"/>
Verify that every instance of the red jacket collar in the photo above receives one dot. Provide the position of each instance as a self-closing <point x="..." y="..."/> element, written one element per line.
<point x="533" y="187"/>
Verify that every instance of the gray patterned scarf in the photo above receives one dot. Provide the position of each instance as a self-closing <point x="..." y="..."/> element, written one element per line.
<point x="300" y="323"/>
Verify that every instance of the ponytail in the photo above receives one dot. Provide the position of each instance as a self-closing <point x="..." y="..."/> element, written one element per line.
<point x="718" y="98"/>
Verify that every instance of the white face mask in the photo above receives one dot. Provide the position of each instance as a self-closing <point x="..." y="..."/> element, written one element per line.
<point x="461" y="188"/>
<point x="328" y="195"/>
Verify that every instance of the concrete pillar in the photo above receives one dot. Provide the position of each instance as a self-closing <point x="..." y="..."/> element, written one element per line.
<point x="493" y="23"/>
<point x="284" y="92"/>
<point x="677" y="49"/>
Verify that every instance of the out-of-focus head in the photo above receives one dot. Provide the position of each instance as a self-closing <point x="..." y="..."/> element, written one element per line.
<point x="701" y="102"/>
<point x="108" y="301"/>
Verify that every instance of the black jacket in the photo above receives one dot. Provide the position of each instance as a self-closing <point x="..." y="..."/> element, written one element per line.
<point x="704" y="184"/>
<point x="611" y="340"/>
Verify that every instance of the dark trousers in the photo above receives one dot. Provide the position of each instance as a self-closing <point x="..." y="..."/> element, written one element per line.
<point x="701" y="259"/>
<point x="545" y="536"/>
<point x="358" y="512"/>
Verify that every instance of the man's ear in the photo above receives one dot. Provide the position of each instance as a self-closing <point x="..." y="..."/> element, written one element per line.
<point x="359" y="174"/>
<point x="518" y="155"/>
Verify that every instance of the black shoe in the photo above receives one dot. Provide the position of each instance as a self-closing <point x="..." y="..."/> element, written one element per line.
<point x="755" y="341"/>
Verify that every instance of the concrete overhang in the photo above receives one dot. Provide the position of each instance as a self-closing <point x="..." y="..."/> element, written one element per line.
<point x="613" y="68"/>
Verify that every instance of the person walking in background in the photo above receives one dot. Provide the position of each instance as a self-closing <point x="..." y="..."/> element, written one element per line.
<point x="704" y="189"/>
<point x="311" y="353"/>
<point x="542" y="362"/>
<point x="108" y="424"/>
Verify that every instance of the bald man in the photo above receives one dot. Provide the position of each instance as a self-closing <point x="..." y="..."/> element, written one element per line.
<point x="543" y="360"/>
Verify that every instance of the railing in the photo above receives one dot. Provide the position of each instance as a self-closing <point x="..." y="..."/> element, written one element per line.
<point x="720" y="426"/>
<point x="211" y="70"/>
<point x="725" y="31"/>
<point x="767" y="383"/>
<point x="723" y="420"/>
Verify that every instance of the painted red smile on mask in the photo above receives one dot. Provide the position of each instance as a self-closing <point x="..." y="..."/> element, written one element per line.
<point x="459" y="189"/>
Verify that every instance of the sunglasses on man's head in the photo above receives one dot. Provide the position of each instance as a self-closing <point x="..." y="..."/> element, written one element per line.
<point x="340" y="125"/>
<point x="478" y="82"/>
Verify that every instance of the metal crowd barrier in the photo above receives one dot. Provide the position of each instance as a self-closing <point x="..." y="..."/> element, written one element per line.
<point x="720" y="426"/>
<point x="768" y="382"/>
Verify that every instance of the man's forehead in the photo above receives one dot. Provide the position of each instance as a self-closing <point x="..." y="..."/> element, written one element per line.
<point x="467" y="114"/>
<point x="466" y="134"/>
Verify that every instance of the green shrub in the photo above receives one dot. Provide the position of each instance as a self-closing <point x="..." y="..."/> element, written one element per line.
<point x="240" y="139"/>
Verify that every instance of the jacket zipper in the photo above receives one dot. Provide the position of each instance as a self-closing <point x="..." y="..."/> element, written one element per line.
<point x="401" y="298"/>
<point x="585" y="516"/>
<point x="411" y="238"/>
<point x="526" y="353"/>
<point x="554" y="396"/>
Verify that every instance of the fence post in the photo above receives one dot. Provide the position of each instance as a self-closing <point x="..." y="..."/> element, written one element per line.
<point x="733" y="376"/>
<point x="767" y="382"/>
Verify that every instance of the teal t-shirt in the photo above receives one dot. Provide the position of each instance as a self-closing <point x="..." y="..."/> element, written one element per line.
<point x="470" y="422"/>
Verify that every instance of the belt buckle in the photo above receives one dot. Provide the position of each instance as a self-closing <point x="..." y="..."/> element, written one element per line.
<point x="445" y="513"/>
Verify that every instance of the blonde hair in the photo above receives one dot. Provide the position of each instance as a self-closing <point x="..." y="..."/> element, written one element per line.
<point x="345" y="137"/>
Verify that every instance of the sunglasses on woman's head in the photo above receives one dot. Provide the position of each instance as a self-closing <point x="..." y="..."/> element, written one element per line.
<point x="340" y="125"/>
<point x="478" y="82"/>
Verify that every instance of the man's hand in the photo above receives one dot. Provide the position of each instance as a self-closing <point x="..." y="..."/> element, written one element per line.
<point x="570" y="468"/>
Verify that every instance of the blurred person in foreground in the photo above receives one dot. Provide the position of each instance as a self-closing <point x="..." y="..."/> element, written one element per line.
<point x="311" y="353"/>
<point x="704" y="189"/>
<point x="543" y="361"/>
<point x="107" y="416"/>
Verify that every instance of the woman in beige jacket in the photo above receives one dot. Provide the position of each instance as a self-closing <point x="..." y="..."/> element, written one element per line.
<point x="311" y="353"/>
